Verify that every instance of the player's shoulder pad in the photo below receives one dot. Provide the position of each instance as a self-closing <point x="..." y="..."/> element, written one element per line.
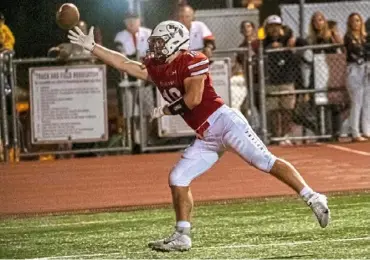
<point x="197" y="63"/>
<point x="194" y="57"/>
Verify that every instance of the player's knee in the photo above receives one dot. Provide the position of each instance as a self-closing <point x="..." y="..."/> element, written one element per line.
<point x="264" y="161"/>
<point x="178" y="177"/>
<point x="280" y="165"/>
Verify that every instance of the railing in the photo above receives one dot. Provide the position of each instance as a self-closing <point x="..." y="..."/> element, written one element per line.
<point x="314" y="80"/>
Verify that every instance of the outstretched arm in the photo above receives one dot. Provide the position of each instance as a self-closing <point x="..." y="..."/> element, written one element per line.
<point x="121" y="62"/>
<point x="110" y="57"/>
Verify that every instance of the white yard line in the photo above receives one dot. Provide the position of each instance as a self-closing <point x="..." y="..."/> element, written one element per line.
<point x="345" y="149"/>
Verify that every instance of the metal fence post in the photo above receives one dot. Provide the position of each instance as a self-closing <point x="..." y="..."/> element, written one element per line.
<point x="250" y="76"/>
<point x="262" y="97"/>
<point x="124" y="84"/>
<point x="4" y="116"/>
<point x="15" y="142"/>
<point x="143" y="128"/>
<point x="301" y="18"/>
<point x="229" y="3"/>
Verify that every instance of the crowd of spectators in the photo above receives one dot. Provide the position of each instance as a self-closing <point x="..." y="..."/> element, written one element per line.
<point x="330" y="60"/>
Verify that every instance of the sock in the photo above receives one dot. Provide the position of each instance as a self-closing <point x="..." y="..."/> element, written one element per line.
<point x="306" y="193"/>
<point x="183" y="226"/>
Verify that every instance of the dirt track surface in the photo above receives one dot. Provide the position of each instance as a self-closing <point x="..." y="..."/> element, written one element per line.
<point x="122" y="181"/>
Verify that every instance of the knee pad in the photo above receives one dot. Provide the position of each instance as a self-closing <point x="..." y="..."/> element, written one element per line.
<point x="190" y="168"/>
<point x="178" y="177"/>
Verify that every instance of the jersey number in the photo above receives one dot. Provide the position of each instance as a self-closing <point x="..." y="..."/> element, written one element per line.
<point x="171" y="95"/>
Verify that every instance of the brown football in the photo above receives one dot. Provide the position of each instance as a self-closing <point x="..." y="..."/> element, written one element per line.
<point x="67" y="16"/>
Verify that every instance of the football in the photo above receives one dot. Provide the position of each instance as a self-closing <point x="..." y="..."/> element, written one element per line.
<point x="67" y="16"/>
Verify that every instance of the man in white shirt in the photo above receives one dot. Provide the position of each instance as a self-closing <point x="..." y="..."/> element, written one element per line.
<point x="133" y="43"/>
<point x="201" y="37"/>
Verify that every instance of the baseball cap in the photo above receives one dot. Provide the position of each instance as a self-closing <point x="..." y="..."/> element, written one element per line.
<point x="274" y="19"/>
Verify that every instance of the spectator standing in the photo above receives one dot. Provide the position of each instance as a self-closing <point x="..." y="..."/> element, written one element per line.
<point x="322" y="31"/>
<point x="252" y="5"/>
<point x="201" y="37"/>
<point x="248" y="30"/>
<point x="280" y="76"/>
<point x="249" y="33"/>
<point x="133" y="43"/>
<point x="357" y="77"/>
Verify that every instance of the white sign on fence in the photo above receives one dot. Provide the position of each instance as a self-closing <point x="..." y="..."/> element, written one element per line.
<point x="68" y="104"/>
<point x="175" y="126"/>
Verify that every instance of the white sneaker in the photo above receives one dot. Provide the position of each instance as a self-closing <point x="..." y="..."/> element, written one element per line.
<point x="319" y="205"/>
<point x="178" y="241"/>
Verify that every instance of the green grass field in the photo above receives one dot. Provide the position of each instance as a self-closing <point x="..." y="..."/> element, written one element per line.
<point x="272" y="228"/>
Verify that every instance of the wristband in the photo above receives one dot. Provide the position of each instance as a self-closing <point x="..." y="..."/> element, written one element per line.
<point x="178" y="107"/>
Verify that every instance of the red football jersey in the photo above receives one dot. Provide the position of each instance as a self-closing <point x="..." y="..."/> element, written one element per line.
<point x="169" y="79"/>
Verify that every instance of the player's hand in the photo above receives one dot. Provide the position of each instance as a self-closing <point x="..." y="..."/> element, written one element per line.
<point x="79" y="38"/>
<point x="156" y="113"/>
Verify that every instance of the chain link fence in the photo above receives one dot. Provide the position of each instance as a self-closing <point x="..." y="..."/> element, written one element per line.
<point x="303" y="98"/>
<point x="306" y="91"/>
<point x="289" y="95"/>
<point x="334" y="11"/>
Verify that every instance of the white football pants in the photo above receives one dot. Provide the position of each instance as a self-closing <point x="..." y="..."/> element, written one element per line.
<point x="228" y="130"/>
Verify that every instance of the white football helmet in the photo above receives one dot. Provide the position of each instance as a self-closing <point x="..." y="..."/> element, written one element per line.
<point x="167" y="38"/>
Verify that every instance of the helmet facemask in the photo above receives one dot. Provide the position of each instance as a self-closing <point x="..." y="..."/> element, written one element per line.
<point x="157" y="48"/>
